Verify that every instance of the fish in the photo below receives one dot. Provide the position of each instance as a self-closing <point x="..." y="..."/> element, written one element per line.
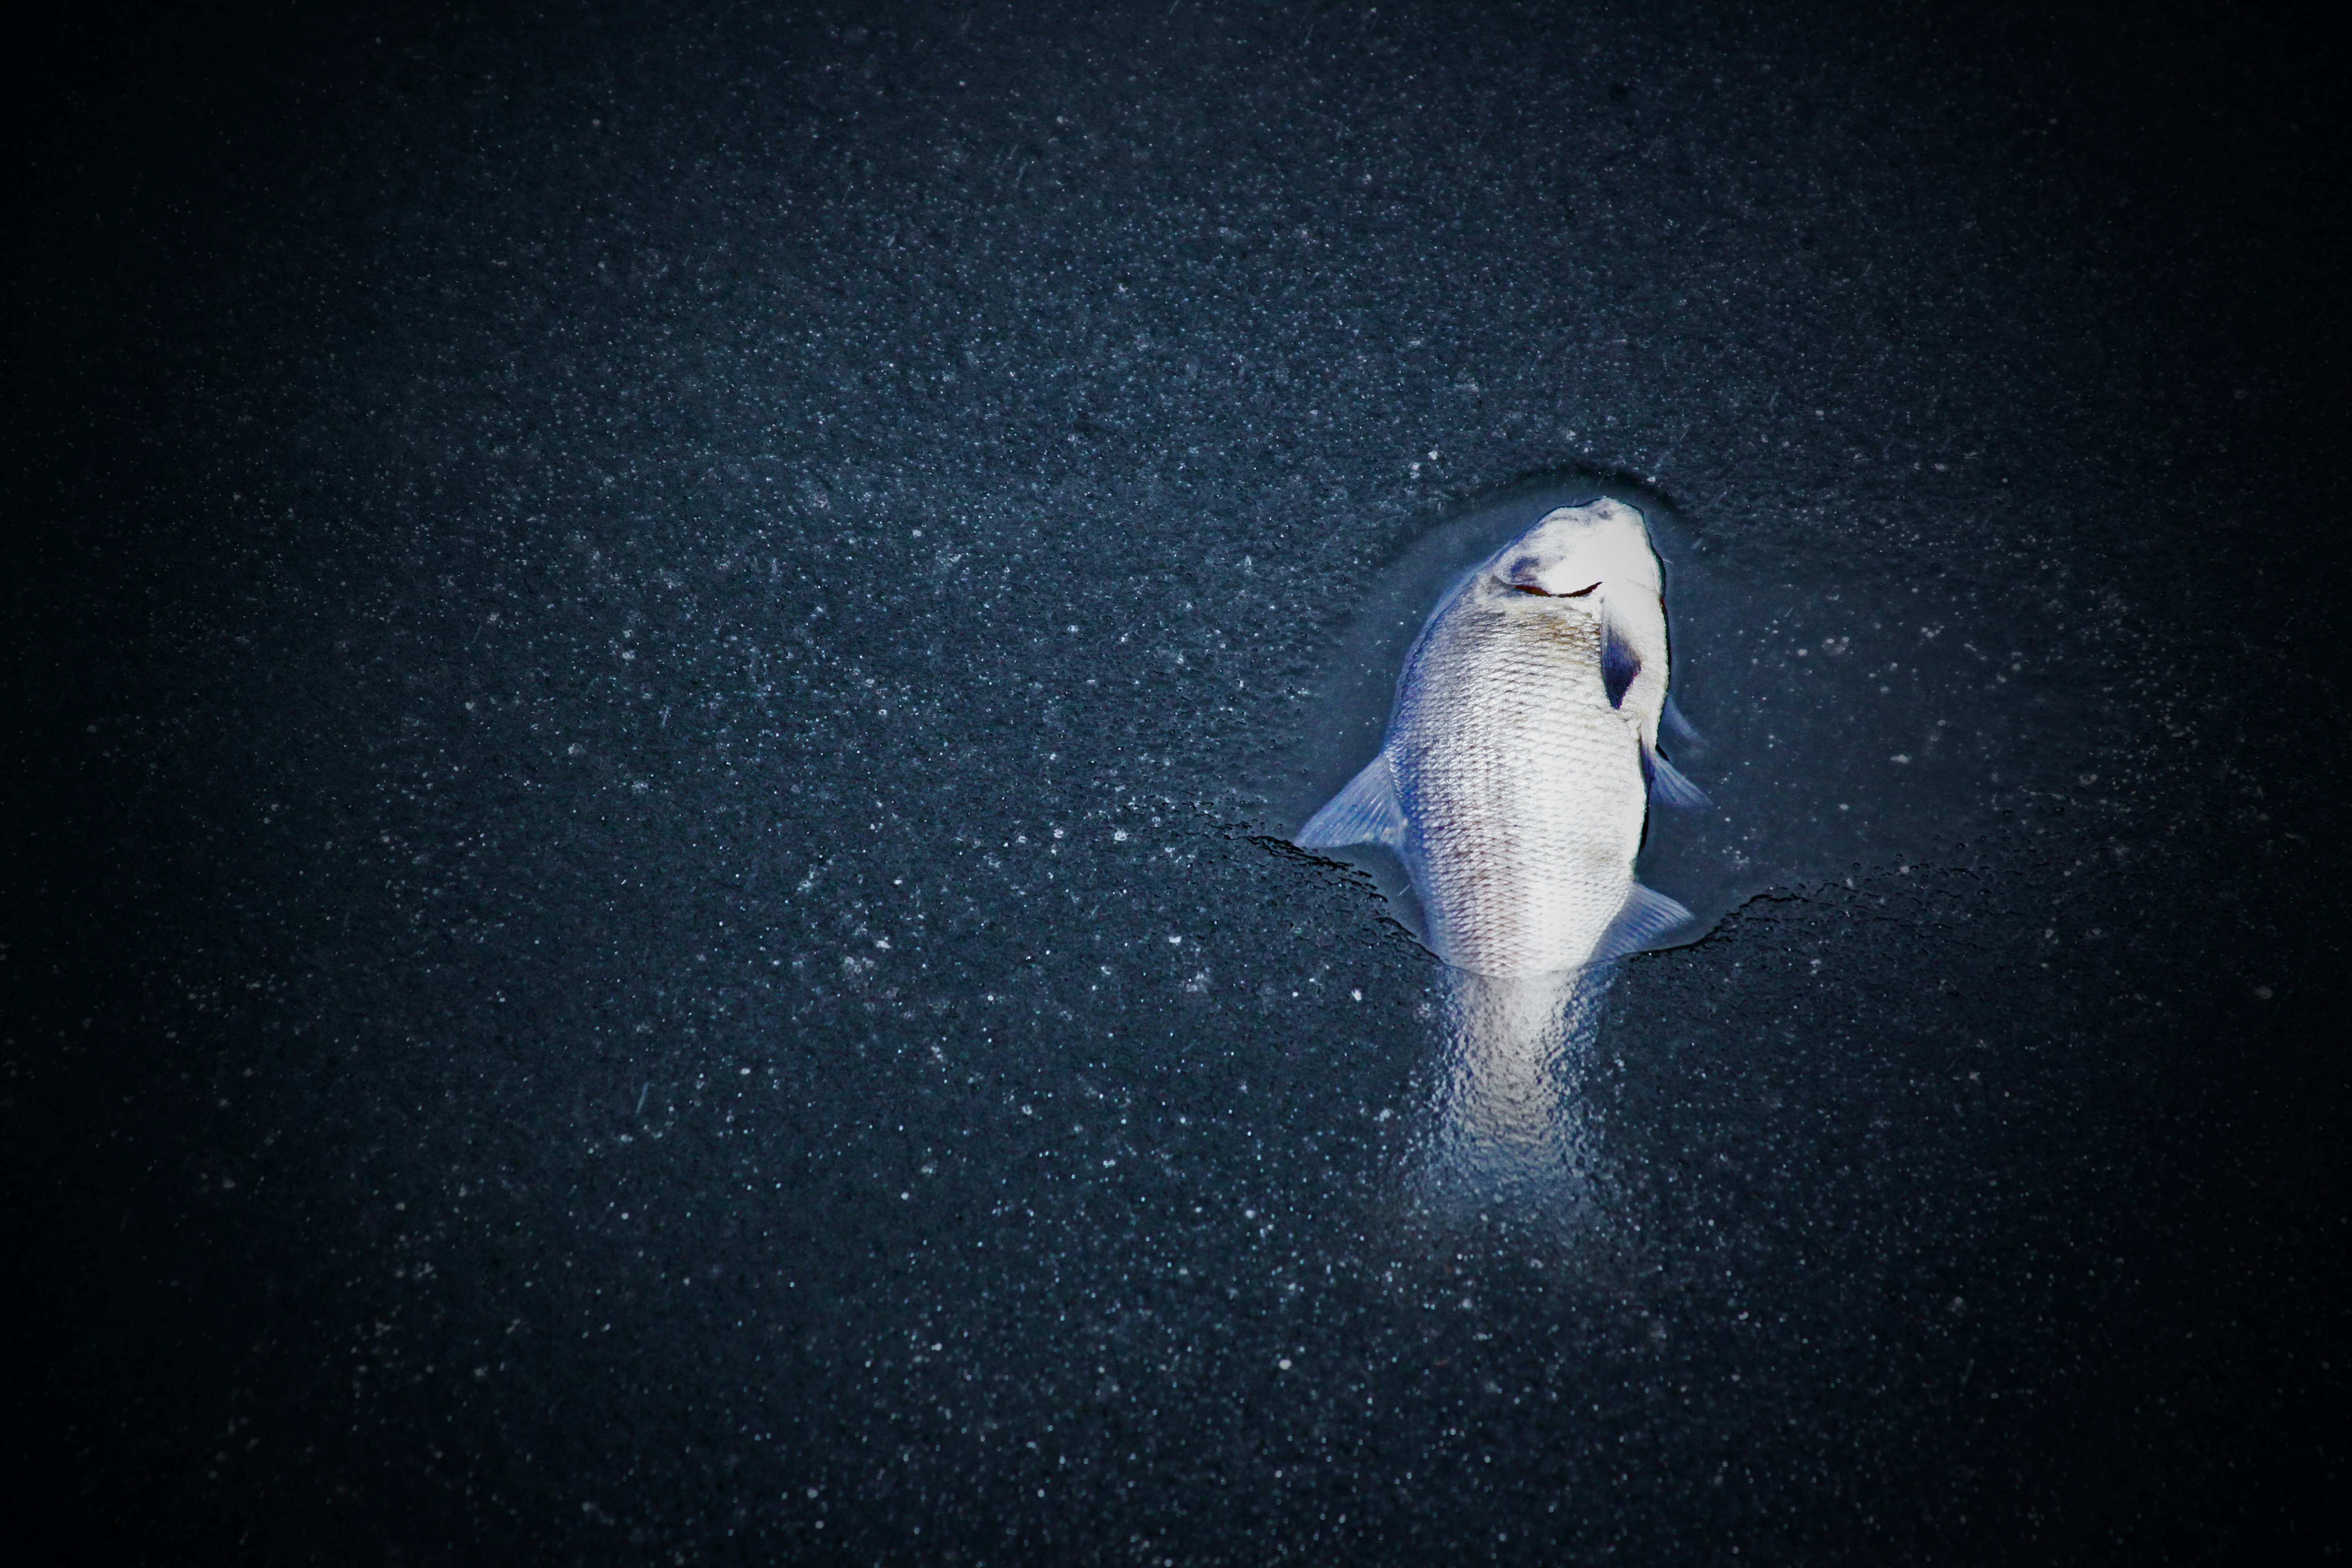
<point x="1522" y="754"/>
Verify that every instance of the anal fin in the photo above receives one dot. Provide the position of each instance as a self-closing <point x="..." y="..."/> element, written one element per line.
<point x="1667" y="785"/>
<point x="1648" y="917"/>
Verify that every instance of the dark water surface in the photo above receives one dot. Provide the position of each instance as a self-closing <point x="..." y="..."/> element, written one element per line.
<point x="652" y="657"/>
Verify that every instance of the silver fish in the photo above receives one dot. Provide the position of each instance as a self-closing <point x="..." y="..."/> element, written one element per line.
<point x="1522" y="752"/>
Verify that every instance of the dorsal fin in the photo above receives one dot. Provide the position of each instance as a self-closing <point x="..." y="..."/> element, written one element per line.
<point x="1365" y="812"/>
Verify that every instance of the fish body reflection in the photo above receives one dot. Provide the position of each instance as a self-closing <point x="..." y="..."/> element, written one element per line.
<point x="1512" y="1128"/>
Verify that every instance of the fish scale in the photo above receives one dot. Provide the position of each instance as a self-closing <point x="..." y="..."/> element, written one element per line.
<point x="1522" y="786"/>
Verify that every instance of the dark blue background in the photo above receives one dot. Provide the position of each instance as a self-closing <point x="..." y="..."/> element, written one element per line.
<point x="536" y="544"/>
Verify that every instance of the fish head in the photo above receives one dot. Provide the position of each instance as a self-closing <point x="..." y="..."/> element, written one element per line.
<point x="1585" y="553"/>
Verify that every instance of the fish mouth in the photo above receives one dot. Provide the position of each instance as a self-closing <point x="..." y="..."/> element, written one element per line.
<point x="1548" y="593"/>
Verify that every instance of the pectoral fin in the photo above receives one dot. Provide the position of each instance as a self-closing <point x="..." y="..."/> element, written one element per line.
<point x="1618" y="663"/>
<point x="1366" y="812"/>
<point x="1647" y="918"/>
